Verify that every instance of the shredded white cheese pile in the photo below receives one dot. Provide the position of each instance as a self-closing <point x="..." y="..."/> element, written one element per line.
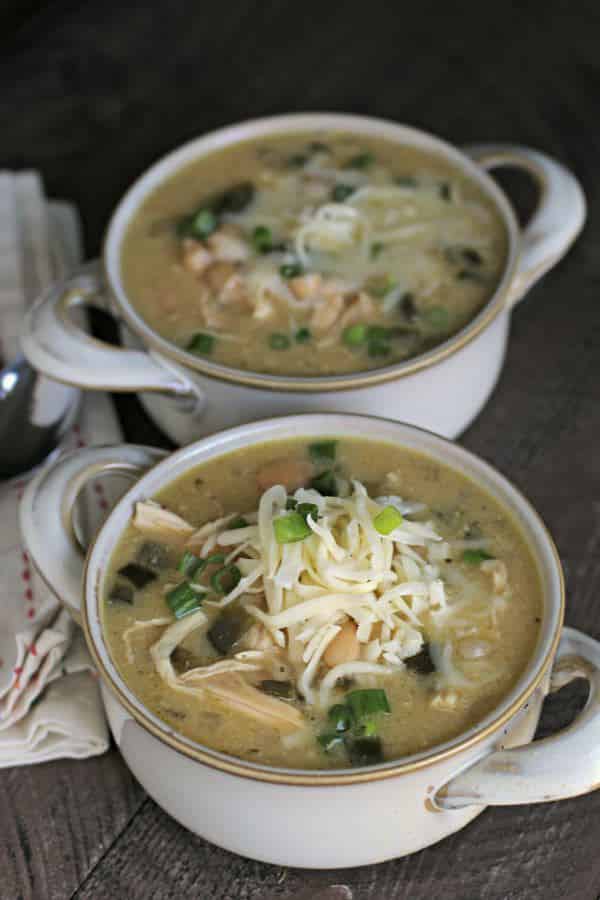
<point x="344" y="570"/>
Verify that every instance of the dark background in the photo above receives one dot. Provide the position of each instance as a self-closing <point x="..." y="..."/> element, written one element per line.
<point x="90" y="94"/>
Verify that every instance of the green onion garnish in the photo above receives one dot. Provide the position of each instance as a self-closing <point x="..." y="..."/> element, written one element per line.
<point x="308" y="509"/>
<point x="340" y="717"/>
<point x="341" y="192"/>
<point x="262" y="238"/>
<point x="290" y="528"/>
<point x="378" y="348"/>
<point x="279" y="341"/>
<point x="387" y="520"/>
<point x="355" y="335"/>
<point x="240" y="522"/>
<point x="362" y="161"/>
<point x="322" y="450"/>
<point x="302" y="335"/>
<point x="190" y="563"/>
<point x="365" y="703"/>
<point x="291" y="503"/>
<point x="204" y="223"/>
<point x="325" y="484"/>
<point x="376" y="249"/>
<point x="201" y="344"/>
<point x="183" y="599"/>
<point x="474" y="557"/>
<point x="290" y="270"/>
<point x="225" y="579"/>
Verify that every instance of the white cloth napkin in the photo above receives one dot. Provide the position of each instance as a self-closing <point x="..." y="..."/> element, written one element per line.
<point x="50" y="703"/>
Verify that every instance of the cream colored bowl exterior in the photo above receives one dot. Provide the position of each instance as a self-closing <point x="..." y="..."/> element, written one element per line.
<point x="443" y="390"/>
<point x="311" y="827"/>
<point x="323" y="819"/>
<point x="444" y="398"/>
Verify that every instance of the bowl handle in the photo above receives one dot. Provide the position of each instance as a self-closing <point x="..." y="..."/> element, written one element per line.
<point x="564" y="765"/>
<point x="46" y="511"/>
<point x="559" y="216"/>
<point x="58" y="347"/>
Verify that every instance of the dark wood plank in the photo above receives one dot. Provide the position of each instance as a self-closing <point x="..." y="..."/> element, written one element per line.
<point x="91" y="94"/>
<point x="58" y="820"/>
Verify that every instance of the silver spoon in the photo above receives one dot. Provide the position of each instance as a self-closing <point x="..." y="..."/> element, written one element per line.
<point x="35" y="415"/>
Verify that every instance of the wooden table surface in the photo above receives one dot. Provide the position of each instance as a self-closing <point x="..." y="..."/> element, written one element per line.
<point x="90" y="94"/>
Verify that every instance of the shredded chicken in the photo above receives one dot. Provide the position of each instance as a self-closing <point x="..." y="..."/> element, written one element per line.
<point x="195" y="257"/>
<point x="326" y="312"/>
<point x="306" y="287"/>
<point x="228" y="245"/>
<point x="498" y="571"/>
<point x="218" y="275"/>
<point x="232" y="690"/>
<point x="161" y="524"/>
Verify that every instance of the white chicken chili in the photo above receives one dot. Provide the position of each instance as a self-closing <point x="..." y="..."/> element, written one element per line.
<point x="309" y="257"/>
<point x="324" y="604"/>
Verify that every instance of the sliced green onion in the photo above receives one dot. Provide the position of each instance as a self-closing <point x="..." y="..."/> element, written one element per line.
<point x="302" y="335"/>
<point x="308" y="509"/>
<point x="329" y="741"/>
<point x="368" y="702"/>
<point x="361" y="161"/>
<point x="378" y="333"/>
<point x="279" y="341"/>
<point x="381" y="287"/>
<point x="202" y="223"/>
<point x="378" y="348"/>
<point x="322" y="450"/>
<point x="291" y="503"/>
<point x="437" y="316"/>
<point x="368" y="727"/>
<point x="262" y="238"/>
<point x="224" y="580"/>
<point x="474" y="557"/>
<point x="325" y="484"/>
<point x="201" y="344"/>
<point x="376" y="249"/>
<point x="290" y="270"/>
<point x="445" y="191"/>
<point x="340" y="717"/>
<point x="190" y="563"/>
<point x="290" y="528"/>
<point x="183" y="600"/>
<point x="387" y="520"/>
<point x="240" y="522"/>
<point x="341" y="192"/>
<point x="214" y="559"/>
<point x="355" y="335"/>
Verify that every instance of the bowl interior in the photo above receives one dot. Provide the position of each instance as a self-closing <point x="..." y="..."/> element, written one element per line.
<point x="309" y="426"/>
<point x="297" y="124"/>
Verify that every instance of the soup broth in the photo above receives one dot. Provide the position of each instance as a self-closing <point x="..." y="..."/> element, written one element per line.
<point x="313" y="257"/>
<point x="324" y="604"/>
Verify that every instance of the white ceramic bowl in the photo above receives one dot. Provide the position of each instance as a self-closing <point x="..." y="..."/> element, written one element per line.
<point x="334" y="818"/>
<point x="442" y="390"/>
